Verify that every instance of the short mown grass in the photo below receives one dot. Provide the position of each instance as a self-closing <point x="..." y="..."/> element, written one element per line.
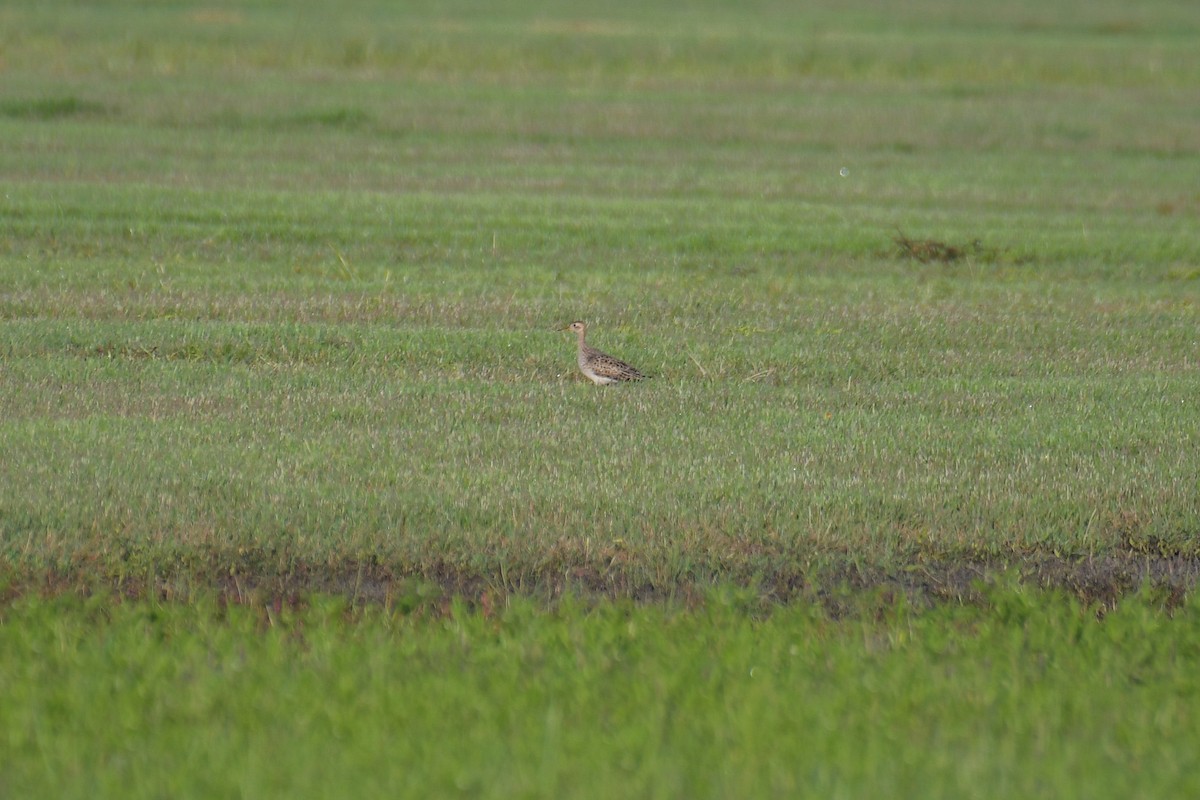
<point x="288" y="286"/>
<point x="292" y="290"/>
<point x="301" y="493"/>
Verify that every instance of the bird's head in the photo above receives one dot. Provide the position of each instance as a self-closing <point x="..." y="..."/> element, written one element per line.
<point x="577" y="326"/>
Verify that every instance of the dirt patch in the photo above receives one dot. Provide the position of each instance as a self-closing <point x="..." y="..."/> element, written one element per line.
<point x="926" y="250"/>
<point x="1096" y="581"/>
<point x="936" y="251"/>
<point x="1099" y="581"/>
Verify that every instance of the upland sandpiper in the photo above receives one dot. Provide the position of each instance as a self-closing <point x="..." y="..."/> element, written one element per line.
<point x="601" y="368"/>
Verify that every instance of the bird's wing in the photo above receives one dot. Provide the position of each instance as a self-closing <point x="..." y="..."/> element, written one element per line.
<point x="606" y="366"/>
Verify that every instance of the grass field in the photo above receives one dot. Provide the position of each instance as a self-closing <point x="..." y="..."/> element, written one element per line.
<point x="1024" y="696"/>
<point x="279" y="284"/>
<point x="279" y="290"/>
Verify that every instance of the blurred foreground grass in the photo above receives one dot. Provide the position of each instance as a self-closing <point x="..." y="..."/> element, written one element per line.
<point x="1024" y="695"/>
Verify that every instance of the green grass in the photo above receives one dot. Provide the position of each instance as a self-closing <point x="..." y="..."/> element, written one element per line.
<point x="278" y="290"/>
<point x="1026" y="696"/>
<point x="283" y="282"/>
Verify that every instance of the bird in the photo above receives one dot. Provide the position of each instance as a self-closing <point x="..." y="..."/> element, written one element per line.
<point x="599" y="367"/>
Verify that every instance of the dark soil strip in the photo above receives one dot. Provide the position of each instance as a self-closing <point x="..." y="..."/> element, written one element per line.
<point x="1099" y="581"/>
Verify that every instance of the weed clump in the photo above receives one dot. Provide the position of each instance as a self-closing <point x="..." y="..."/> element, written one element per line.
<point x="933" y="250"/>
<point x="926" y="250"/>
